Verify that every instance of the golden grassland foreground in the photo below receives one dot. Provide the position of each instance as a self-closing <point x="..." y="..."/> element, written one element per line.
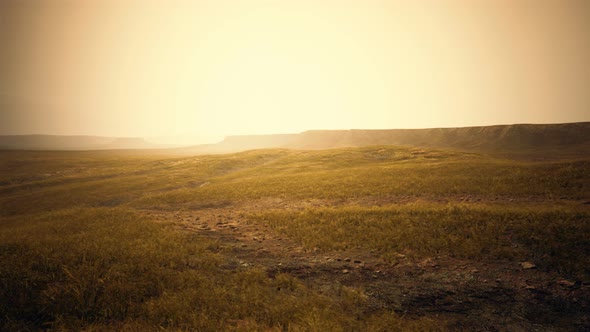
<point x="357" y="239"/>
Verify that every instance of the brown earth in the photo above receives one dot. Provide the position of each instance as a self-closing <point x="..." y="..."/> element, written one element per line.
<point x="469" y="295"/>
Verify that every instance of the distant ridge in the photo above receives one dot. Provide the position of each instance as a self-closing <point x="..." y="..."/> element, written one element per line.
<point x="490" y="138"/>
<point x="57" y="142"/>
<point x="565" y="138"/>
<point x="517" y="139"/>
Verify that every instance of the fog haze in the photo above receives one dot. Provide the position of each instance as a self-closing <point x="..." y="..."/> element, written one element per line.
<point x="196" y="71"/>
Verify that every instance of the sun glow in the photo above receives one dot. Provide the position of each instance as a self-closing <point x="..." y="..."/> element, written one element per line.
<point x="212" y="68"/>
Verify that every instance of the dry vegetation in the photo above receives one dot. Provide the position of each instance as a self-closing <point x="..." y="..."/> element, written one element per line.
<point x="133" y="241"/>
<point x="554" y="238"/>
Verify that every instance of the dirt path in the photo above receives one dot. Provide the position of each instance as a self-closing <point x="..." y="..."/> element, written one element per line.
<point x="481" y="296"/>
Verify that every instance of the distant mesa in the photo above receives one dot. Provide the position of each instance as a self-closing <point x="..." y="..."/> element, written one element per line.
<point x="531" y="139"/>
<point x="250" y="142"/>
<point x="489" y="138"/>
<point x="542" y="139"/>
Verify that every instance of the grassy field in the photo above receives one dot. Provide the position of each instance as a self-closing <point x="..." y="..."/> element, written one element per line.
<point x="87" y="241"/>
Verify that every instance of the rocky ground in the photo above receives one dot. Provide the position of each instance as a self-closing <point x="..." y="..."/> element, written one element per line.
<point x="470" y="295"/>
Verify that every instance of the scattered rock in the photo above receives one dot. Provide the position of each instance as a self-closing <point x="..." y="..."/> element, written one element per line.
<point x="428" y="262"/>
<point x="357" y="261"/>
<point x="527" y="265"/>
<point x="345" y="271"/>
<point x="347" y="259"/>
<point x="566" y="283"/>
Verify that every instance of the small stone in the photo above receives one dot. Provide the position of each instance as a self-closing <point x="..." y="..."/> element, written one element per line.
<point x="345" y="271"/>
<point x="347" y="259"/>
<point x="527" y="265"/>
<point x="428" y="262"/>
<point x="474" y="271"/>
<point x="357" y="262"/>
<point x="566" y="283"/>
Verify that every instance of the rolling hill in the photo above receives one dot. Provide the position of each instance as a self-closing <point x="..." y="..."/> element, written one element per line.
<point x="379" y="238"/>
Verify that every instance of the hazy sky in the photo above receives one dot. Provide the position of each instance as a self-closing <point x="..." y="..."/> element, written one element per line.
<point x="212" y="68"/>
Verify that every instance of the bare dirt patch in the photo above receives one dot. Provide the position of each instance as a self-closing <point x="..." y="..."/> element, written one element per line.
<point x="471" y="295"/>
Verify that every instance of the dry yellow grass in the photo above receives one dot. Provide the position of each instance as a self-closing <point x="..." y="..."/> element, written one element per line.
<point x="76" y="253"/>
